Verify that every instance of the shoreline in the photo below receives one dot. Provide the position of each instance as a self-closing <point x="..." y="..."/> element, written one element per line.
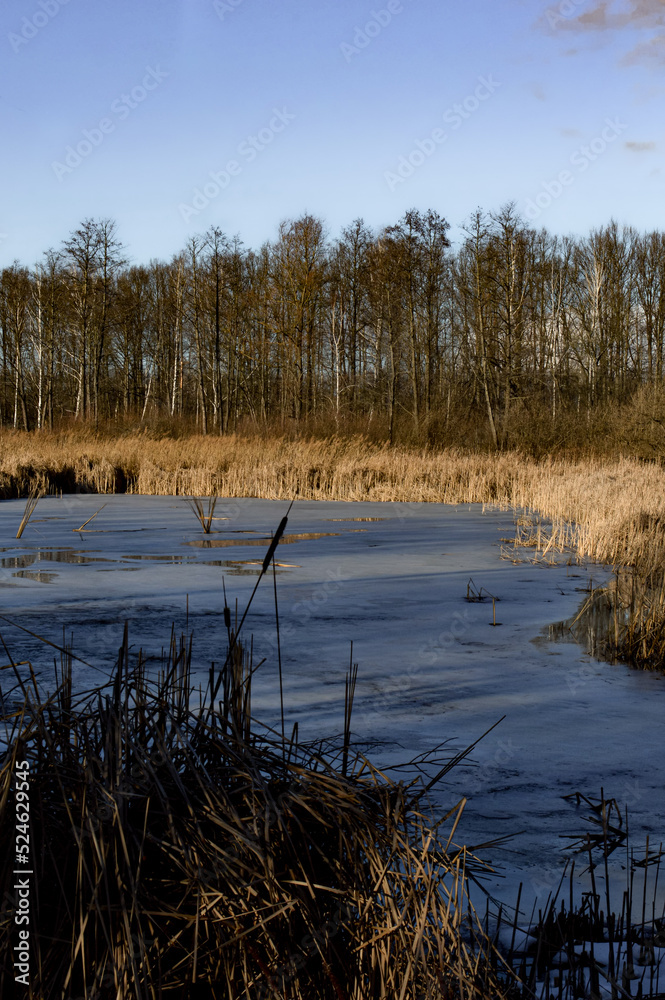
<point x="609" y="511"/>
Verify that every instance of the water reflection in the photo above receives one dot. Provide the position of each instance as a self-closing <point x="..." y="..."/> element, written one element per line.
<point x="244" y="567"/>
<point x="121" y="569"/>
<point x="38" y="576"/>
<point x="48" y="555"/>
<point x="22" y="561"/>
<point x="596" y="626"/>
<point x="223" y="543"/>
<point x="176" y="560"/>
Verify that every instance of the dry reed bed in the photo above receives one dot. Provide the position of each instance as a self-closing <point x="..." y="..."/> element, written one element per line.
<point x="610" y="511"/>
<point x="177" y="853"/>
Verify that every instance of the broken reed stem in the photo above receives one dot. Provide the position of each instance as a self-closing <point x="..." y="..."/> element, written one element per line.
<point x="30" y="505"/>
<point x="92" y="516"/>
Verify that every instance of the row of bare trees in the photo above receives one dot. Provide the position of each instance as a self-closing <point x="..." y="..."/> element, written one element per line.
<point x="396" y="324"/>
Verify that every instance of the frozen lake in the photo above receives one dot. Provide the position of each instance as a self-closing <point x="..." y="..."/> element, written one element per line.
<point x="391" y="578"/>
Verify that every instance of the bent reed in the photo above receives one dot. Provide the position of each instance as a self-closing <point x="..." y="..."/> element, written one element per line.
<point x="607" y="510"/>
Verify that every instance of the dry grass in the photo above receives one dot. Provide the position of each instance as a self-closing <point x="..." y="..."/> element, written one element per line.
<point x="623" y="621"/>
<point x="178" y="853"/>
<point x="30" y="505"/>
<point x="610" y="511"/>
<point x="204" y="514"/>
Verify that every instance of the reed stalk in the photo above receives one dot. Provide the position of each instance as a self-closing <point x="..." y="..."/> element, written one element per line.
<point x="177" y="845"/>
<point x="31" y="503"/>
<point x="206" y="514"/>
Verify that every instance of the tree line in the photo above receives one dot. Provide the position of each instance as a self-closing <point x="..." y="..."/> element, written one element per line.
<point x="396" y="325"/>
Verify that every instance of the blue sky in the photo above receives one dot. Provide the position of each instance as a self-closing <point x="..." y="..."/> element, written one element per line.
<point x="126" y="108"/>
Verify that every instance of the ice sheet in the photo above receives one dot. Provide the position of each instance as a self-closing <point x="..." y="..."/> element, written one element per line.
<point x="432" y="667"/>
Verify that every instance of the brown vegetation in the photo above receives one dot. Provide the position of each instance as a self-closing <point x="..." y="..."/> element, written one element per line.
<point x="607" y="510"/>
<point x="179" y="851"/>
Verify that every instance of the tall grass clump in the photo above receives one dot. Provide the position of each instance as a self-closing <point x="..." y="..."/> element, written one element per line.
<point x="623" y="621"/>
<point x="595" y="945"/>
<point x="180" y="851"/>
<point x="204" y="513"/>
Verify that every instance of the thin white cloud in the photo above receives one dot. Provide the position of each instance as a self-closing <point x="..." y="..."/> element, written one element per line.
<point x="639" y="147"/>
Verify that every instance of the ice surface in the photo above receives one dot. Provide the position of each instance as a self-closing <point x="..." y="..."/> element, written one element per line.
<point x="432" y="668"/>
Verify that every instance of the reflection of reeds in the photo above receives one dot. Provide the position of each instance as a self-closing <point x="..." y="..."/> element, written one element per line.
<point x="30" y="504"/>
<point x="204" y="514"/>
<point x="624" y="621"/>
